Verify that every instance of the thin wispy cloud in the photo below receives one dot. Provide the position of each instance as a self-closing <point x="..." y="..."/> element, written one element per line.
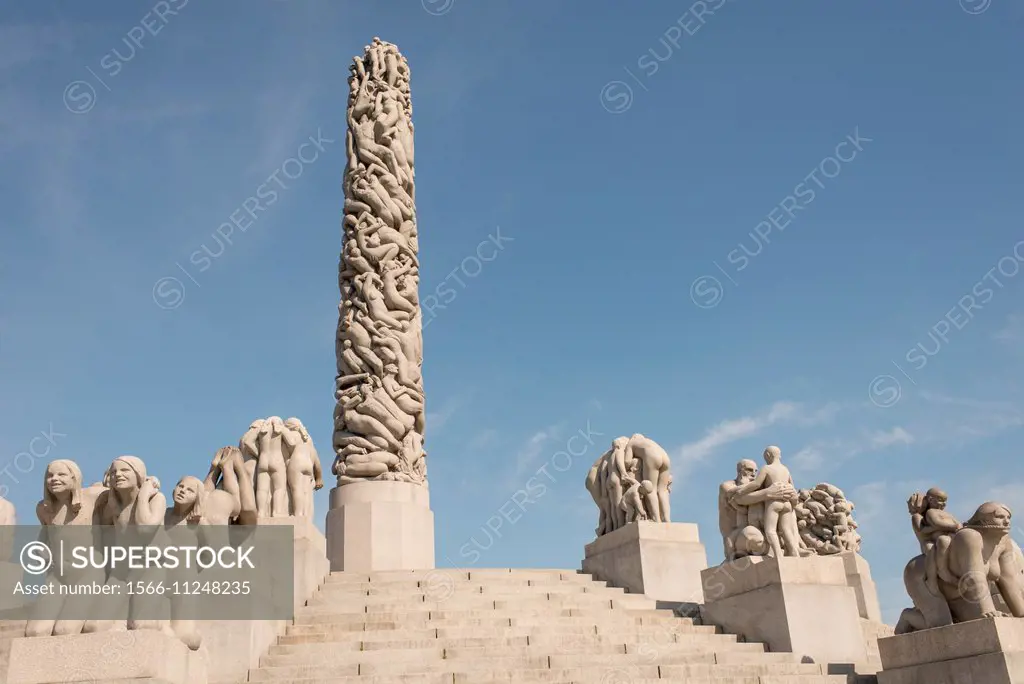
<point x="734" y="429"/>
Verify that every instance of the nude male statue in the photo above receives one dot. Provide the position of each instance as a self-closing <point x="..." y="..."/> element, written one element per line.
<point x="741" y="516"/>
<point x="779" y="515"/>
<point x="655" y="465"/>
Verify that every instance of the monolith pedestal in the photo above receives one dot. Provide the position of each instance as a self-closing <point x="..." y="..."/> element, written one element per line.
<point x="375" y="526"/>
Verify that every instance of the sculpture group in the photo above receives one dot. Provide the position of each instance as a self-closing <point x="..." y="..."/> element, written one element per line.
<point x="966" y="570"/>
<point x="761" y="513"/>
<point x="629" y="482"/>
<point x="275" y="467"/>
<point x="379" y="418"/>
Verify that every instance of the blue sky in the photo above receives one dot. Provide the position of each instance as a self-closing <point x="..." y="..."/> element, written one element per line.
<point x="627" y="152"/>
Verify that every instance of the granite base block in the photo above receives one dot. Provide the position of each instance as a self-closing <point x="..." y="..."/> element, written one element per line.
<point x="374" y="526"/>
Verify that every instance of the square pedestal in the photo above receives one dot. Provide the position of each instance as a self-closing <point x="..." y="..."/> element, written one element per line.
<point x="989" y="651"/>
<point x="311" y="566"/>
<point x="661" y="560"/>
<point x="374" y="526"/>
<point x="109" y="657"/>
<point x="796" y="605"/>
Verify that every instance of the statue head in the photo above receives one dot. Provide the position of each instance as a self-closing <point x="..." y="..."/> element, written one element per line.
<point x="620" y="442"/>
<point x="936" y="498"/>
<point x="125" y="474"/>
<point x="63" y="480"/>
<point x="390" y="369"/>
<point x="746" y="470"/>
<point x="296" y="424"/>
<point x="772" y="454"/>
<point x="188" y="498"/>
<point x="991" y="515"/>
<point x="273" y="425"/>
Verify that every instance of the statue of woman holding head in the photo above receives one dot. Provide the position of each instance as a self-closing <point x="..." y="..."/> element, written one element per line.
<point x="64" y="502"/>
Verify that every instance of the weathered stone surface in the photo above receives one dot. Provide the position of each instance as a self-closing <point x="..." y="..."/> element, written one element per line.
<point x="376" y="526"/>
<point x="662" y="561"/>
<point x="797" y="605"/>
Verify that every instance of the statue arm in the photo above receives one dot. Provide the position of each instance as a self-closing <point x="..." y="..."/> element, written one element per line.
<point x="318" y="475"/>
<point x="619" y="456"/>
<point x="750" y="498"/>
<point x="150" y="508"/>
<point x="751" y="486"/>
<point x="291" y="438"/>
<point x="940" y="521"/>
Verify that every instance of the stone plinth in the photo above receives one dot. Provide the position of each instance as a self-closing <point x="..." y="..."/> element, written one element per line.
<point x="233" y="647"/>
<point x="310" y="565"/>
<point x="797" y="605"/>
<point x="116" y="657"/>
<point x="988" y="651"/>
<point x="380" y="525"/>
<point x="661" y="560"/>
<point x="858" y="578"/>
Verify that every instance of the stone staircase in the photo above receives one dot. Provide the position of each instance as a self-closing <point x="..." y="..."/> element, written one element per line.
<point x="512" y="626"/>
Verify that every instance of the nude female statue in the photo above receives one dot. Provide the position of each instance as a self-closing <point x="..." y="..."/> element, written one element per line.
<point x="597" y="485"/>
<point x="131" y="499"/>
<point x="303" y="468"/>
<point x="64" y="502"/>
<point x="655" y="464"/>
<point x="271" y="474"/>
<point x="407" y="399"/>
<point x="980" y="553"/>
<point x="779" y="515"/>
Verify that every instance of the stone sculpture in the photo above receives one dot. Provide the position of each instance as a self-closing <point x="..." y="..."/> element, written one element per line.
<point x="225" y="497"/>
<point x="825" y="520"/>
<point x="303" y="469"/>
<point x="271" y="470"/>
<point x="64" y="502"/>
<point x="131" y="499"/>
<point x="629" y="482"/>
<point x="780" y="526"/>
<point x="741" y="515"/>
<point x="280" y="462"/>
<point x="379" y="419"/>
<point x="966" y="560"/>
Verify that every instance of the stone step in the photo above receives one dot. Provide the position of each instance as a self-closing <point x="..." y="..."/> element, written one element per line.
<point x="426" y="651"/>
<point x="499" y="608"/>
<point x="384" y="603"/>
<point x="488" y="671"/>
<point x="609" y="620"/>
<point x="559" y="677"/>
<point x="562" y="640"/>
<point x="467" y="587"/>
<point x="598" y="614"/>
<point x="451" y="574"/>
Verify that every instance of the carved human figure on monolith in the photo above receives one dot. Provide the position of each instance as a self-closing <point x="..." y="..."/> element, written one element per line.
<point x="978" y="554"/>
<point x="379" y="416"/>
<point x="780" y="523"/>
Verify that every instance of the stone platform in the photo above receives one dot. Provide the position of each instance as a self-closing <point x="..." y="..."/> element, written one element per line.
<point x="661" y="560"/>
<point x="142" y="657"/>
<point x="797" y="605"/>
<point x="987" y="651"/>
<point x="378" y="526"/>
